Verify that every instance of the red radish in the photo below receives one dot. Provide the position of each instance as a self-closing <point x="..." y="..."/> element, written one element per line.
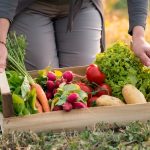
<point x="51" y="76"/>
<point x="68" y="76"/>
<point x="67" y="106"/>
<point x="94" y="74"/>
<point x="73" y="97"/>
<point x="54" y="91"/>
<point x="85" y="88"/>
<point x="49" y="95"/>
<point x="92" y="101"/>
<point x="50" y="85"/>
<point x="78" y="105"/>
<point x="56" y="108"/>
<point x="58" y="82"/>
<point x="103" y="89"/>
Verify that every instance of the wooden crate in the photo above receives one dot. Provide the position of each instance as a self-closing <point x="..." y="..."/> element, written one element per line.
<point x="76" y="119"/>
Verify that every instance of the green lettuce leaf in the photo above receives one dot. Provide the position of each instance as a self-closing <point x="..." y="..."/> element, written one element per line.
<point x="71" y="87"/>
<point x="30" y="101"/>
<point x="15" y="81"/>
<point x="18" y="104"/>
<point x="83" y="96"/>
<point x="25" y="87"/>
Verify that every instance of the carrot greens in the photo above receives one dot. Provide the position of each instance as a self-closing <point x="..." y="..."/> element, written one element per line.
<point x="18" y="78"/>
<point x="16" y="56"/>
<point x="16" y="53"/>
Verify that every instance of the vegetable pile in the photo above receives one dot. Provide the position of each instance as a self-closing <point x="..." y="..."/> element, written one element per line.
<point x="64" y="92"/>
<point x="116" y="78"/>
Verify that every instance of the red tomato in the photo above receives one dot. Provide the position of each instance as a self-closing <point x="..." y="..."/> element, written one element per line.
<point x="85" y="88"/>
<point x="92" y="101"/>
<point x="93" y="74"/>
<point x="103" y="89"/>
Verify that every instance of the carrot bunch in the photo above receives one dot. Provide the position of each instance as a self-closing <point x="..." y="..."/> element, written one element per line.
<point x="42" y="101"/>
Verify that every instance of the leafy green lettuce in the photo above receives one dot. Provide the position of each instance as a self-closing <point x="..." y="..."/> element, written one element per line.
<point x="23" y="97"/>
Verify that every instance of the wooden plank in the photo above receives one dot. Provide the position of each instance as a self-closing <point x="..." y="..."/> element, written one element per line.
<point x="4" y="84"/>
<point x="1" y="122"/>
<point x="78" y="70"/>
<point x="8" y="110"/>
<point x="77" y="119"/>
<point x="6" y="96"/>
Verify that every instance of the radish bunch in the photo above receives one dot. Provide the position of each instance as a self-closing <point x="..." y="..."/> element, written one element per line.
<point x="51" y="85"/>
<point x="73" y="103"/>
<point x="53" y="82"/>
<point x="63" y="94"/>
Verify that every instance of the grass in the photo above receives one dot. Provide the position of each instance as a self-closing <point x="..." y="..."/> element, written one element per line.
<point x="134" y="136"/>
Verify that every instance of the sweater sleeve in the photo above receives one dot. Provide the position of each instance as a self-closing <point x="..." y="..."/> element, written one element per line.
<point x="8" y="9"/>
<point x="137" y="10"/>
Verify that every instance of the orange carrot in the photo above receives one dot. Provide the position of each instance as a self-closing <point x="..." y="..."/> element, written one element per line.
<point x="41" y="97"/>
<point x="38" y="106"/>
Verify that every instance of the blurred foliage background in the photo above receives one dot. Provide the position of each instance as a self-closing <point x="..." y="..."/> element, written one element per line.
<point x="116" y="21"/>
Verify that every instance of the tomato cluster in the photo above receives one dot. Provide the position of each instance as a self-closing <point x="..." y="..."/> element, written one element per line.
<point x="95" y="85"/>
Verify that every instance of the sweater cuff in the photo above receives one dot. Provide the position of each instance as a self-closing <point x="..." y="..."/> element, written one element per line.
<point x="8" y="9"/>
<point x="130" y="31"/>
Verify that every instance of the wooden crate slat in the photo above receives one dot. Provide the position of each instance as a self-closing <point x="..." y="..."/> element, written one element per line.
<point x="1" y="120"/>
<point x="7" y="103"/>
<point x="77" y="119"/>
<point x="4" y="87"/>
<point x="78" y="70"/>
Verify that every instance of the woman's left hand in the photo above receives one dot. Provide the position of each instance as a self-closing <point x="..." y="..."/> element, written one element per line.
<point x="140" y="46"/>
<point x="141" y="49"/>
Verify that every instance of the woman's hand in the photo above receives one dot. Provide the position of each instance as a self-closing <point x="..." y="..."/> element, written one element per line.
<point x="142" y="50"/>
<point x="3" y="57"/>
<point x="4" y="26"/>
<point x="140" y="46"/>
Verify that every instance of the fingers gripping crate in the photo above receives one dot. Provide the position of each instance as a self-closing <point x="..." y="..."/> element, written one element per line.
<point x="60" y="120"/>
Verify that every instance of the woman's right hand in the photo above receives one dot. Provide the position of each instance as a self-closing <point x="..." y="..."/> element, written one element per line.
<point x="3" y="57"/>
<point x="4" y="26"/>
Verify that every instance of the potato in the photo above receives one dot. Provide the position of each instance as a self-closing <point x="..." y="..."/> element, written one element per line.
<point x="106" y="100"/>
<point x="132" y="95"/>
